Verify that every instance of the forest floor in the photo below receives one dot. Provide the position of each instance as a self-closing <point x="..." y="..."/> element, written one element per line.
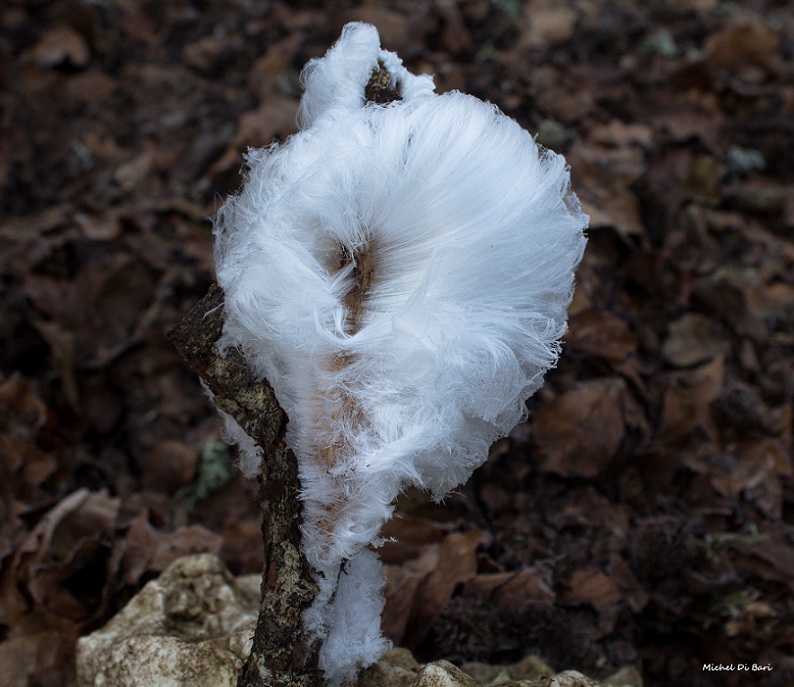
<point x="643" y="515"/>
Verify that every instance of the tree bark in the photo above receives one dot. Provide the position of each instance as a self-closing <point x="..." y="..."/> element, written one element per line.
<point x="280" y="657"/>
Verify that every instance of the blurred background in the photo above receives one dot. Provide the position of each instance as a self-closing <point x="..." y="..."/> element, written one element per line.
<point x="644" y="515"/>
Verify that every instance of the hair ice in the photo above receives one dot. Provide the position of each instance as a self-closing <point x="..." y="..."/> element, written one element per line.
<point x="401" y="276"/>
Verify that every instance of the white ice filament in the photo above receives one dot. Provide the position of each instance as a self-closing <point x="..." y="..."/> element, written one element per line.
<point x="401" y="275"/>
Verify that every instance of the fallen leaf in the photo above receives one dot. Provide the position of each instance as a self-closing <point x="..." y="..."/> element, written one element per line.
<point x="592" y="586"/>
<point x="53" y="561"/>
<point x="170" y="465"/>
<point x="275" y="118"/>
<point x="740" y="46"/>
<point x="19" y="396"/>
<point x="580" y="431"/>
<point x="405" y="538"/>
<point x="457" y="564"/>
<point x="617" y="133"/>
<point x="522" y="588"/>
<point x="633" y="592"/>
<point x="547" y="23"/>
<point x="99" y="227"/>
<point x="181" y="542"/>
<point x="59" y="45"/>
<point x="402" y="585"/>
<point x="41" y="658"/>
<point x="600" y="333"/>
<point x="62" y="346"/>
<point x="694" y="339"/>
<point x="687" y="402"/>
<point x="606" y="175"/>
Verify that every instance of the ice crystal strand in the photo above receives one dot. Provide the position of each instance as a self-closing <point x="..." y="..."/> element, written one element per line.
<point x="401" y="275"/>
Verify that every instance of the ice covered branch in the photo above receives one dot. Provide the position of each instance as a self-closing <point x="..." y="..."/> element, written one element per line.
<point x="400" y="272"/>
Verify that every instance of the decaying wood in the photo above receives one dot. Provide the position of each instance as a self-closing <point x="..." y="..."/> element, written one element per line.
<point x="281" y="655"/>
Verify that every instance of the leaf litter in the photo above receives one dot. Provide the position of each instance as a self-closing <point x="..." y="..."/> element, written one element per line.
<point x="643" y="515"/>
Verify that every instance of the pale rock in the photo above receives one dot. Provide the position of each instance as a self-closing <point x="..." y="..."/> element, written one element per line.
<point x="485" y="673"/>
<point x="627" y="676"/>
<point x="397" y="668"/>
<point x="530" y="668"/>
<point x="568" y="678"/>
<point x="443" y="674"/>
<point x="191" y="626"/>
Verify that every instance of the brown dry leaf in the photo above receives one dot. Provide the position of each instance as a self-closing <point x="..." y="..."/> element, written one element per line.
<point x="497" y="499"/>
<point x="455" y="34"/>
<point x="592" y="586"/>
<point x="457" y="564"/>
<point x="105" y="226"/>
<point x="694" y="339"/>
<point x="605" y="176"/>
<point x="140" y="545"/>
<point x="146" y="551"/>
<point x="701" y="6"/>
<point x="170" y="465"/>
<point x="36" y="468"/>
<point x="617" y="133"/>
<point x="402" y="585"/>
<point x="242" y="545"/>
<point x="181" y="542"/>
<point x="73" y="537"/>
<point x="62" y="346"/>
<point x="209" y="53"/>
<point x="563" y="95"/>
<point x="735" y="299"/>
<point x="547" y="23"/>
<point x="591" y="509"/>
<point x="102" y="307"/>
<point x="274" y="118"/>
<point x="402" y="588"/>
<point x="600" y="333"/>
<point x="23" y="412"/>
<point x="66" y="302"/>
<point x="633" y="592"/>
<point x="42" y="658"/>
<point x="132" y="172"/>
<point x="485" y="585"/>
<point x="263" y="75"/>
<point x="406" y="537"/>
<point x="692" y="115"/>
<point x="740" y="46"/>
<point x="770" y="556"/>
<point x="580" y="431"/>
<point x="526" y="586"/>
<point x="81" y="514"/>
<point x="92" y="86"/>
<point x="59" y="45"/>
<point x="755" y="474"/>
<point x="687" y="402"/>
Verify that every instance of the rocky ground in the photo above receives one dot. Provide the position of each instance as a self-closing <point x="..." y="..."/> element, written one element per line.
<point x="644" y="515"/>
